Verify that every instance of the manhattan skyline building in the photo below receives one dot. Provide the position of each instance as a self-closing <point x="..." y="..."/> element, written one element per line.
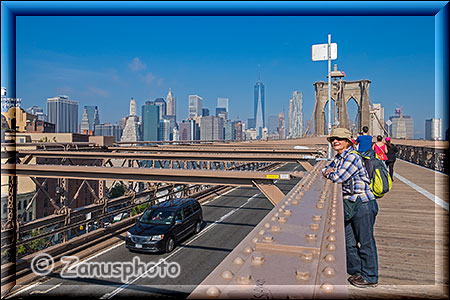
<point x="211" y="128"/>
<point x="162" y="107"/>
<point x="222" y="103"/>
<point x="433" y="129"/>
<point x="109" y="129"/>
<point x="89" y="119"/>
<point x="195" y="106"/>
<point x="131" y="130"/>
<point x="63" y="112"/>
<point x="296" y="115"/>
<point x="171" y="104"/>
<point x="402" y="126"/>
<point x="37" y="111"/>
<point x="150" y="121"/>
<point x="259" y="107"/>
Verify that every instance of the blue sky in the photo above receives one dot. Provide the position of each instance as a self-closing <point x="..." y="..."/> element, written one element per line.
<point x="105" y="61"/>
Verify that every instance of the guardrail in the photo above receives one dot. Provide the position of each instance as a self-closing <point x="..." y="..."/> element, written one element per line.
<point x="433" y="158"/>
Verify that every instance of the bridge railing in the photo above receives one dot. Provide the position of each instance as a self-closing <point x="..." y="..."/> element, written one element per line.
<point x="433" y="158"/>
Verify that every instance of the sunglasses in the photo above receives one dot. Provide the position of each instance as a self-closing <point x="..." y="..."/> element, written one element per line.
<point x="332" y="139"/>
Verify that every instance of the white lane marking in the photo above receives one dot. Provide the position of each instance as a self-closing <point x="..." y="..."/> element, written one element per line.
<point x="424" y="192"/>
<point x="125" y="285"/>
<point x="45" y="291"/>
<point x="24" y="289"/>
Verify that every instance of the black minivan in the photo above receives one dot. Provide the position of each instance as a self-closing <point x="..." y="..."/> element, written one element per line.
<point x="161" y="226"/>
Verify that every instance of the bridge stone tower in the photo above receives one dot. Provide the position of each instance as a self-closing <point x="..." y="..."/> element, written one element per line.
<point x="341" y="92"/>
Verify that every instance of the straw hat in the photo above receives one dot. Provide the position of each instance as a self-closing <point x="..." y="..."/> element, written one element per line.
<point x="341" y="133"/>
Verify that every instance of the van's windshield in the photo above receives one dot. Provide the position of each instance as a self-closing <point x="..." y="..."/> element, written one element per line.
<point x="157" y="216"/>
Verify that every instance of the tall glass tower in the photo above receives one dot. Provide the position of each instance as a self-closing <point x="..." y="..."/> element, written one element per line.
<point x="259" y="107"/>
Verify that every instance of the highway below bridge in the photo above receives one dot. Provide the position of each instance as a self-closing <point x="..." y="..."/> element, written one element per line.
<point x="228" y="219"/>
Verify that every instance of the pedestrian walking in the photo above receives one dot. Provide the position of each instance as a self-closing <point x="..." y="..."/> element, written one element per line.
<point x="360" y="209"/>
<point x="391" y="156"/>
<point x="364" y="141"/>
<point x="380" y="148"/>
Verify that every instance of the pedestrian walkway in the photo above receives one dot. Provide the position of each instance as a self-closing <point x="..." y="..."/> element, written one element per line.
<point x="412" y="234"/>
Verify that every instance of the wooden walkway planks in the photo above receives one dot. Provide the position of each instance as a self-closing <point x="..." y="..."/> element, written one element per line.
<point x="412" y="235"/>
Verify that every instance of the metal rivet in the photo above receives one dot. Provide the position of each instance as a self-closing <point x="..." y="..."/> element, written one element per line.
<point x="273" y="219"/>
<point x="288" y="212"/>
<point x="331" y="230"/>
<point x="327" y="288"/>
<point x="276" y="214"/>
<point x="248" y="250"/>
<point x="329" y="272"/>
<point x="302" y="275"/>
<point x="267" y="225"/>
<point x="333" y="218"/>
<point x="276" y="228"/>
<point x="283" y="206"/>
<point x="331" y="247"/>
<point x="332" y="223"/>
<point x="268" y="239"/>
<point x="244" y="279"/>
<point x="213" y="292"/>
<point x="255" y="240"/>
<point x="294" y="202"/>
<point x="280" y="210"/>
<point x="228" y="275"/>
<point x="330" y="258"/>
<point x="314" y="226"/>
<point x="238" y="261"/>
<point x="331" y="238"/>
<point x="307" y="257"/>
<point x="257" y="258"/>
<point x="320" y="205"/>
<point x="317" y="218"/>
<point x="261" y="232"/>
<point x="282" y="219"/>
<point x="311" y="236"/>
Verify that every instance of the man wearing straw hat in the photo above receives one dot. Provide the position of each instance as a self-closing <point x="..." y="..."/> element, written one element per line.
<point x="360" y="209"/>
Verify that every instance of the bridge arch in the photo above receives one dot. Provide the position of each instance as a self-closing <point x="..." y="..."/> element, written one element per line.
<point x="343" y="92"/>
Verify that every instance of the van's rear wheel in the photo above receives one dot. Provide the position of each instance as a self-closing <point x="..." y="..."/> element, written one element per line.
<point x="170" y="244"/>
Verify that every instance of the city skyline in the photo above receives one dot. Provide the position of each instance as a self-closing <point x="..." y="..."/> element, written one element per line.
<point x="385" y="57"/>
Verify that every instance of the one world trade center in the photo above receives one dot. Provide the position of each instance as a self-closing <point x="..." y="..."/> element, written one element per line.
<point x="259" y="107"/>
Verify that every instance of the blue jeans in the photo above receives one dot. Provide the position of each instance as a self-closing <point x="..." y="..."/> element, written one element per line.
<point x="363" y="259"/>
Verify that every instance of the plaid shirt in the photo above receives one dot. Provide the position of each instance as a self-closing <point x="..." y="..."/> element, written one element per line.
<point x="350" y="171"/>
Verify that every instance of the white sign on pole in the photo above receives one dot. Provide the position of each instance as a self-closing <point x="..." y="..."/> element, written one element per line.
<point x="320" y="52"/>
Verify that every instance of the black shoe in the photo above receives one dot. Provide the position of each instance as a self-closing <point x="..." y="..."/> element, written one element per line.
<point x="360" y="282"/>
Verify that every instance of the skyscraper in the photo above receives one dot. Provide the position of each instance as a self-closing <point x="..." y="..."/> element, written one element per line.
<point x="402" y="126"/>
<point x="63" y="113"/>
<point x="162" y="107"/>
<point x="131" y="130"/>
<point x="89" y="119"/>
<point x="211" y="128"/>
<point x="222" y="103"/>
<point x="296" y="115"/>
<point x="150" y="121"/>
<point x="171" y="104"/>
<point x="195" y="106"/>
<point x="259" y="107"/>
<point x="433" y="129"/>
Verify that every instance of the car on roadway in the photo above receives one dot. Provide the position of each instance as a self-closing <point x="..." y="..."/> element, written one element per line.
<point x="162" y="225"/>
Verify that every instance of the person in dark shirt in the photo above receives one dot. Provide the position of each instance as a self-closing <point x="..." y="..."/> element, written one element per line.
<point x="364" y="141"/>
<point x="391" y="156"/>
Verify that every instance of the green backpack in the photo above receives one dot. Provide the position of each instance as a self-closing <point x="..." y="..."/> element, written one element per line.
<point x="380" y="180"/>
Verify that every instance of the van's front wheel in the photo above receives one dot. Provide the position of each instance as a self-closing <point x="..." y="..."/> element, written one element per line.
<point x="198" y="227"/>
<point x="170" y="244"/>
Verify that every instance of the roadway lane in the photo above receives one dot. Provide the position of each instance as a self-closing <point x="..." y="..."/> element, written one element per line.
<point x="227" y="220"/>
